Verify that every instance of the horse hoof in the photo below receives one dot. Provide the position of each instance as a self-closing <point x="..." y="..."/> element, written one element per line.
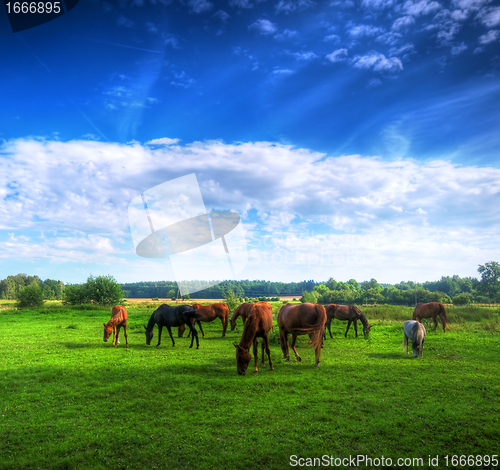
<point x="299" y="359"/>
<point x="272" y="368"/>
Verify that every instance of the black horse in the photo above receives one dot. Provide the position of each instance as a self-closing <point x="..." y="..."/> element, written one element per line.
<point x="168" y="316"/>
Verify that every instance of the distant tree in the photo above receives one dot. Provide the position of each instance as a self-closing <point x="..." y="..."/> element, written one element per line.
<point x="311" y="297"/>
<point x="465" y="298"/>
<point x="171" y="294"/>
<point x="30" y="297"/>
<point x="490" y="280"/>
<point x="104" y="290"/>
<point x="231" y="300"/>
<point x="76" y="294"/>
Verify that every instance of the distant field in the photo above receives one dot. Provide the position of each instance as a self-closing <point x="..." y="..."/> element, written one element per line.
<point x="71" y="401"/>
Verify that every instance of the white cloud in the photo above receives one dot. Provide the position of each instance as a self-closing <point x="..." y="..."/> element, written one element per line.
<point x="377" y="62"/>
<point x="337" y="56"/>
<point x="403" y="23"/>
<point x="491" y="17"/>
<point x="491" y="36"/>
<point x="199" y="6"/>
<point x="332" y="38"/>
<point x="420" y="8"/>
<point x="364" y="30"/>
<point x="303" y="56"/>
<point x="458" y="49"/>
<point x="241" y="3"/>
<point x="78" y="192"/>
<point x="378" y="4"/>
<point x="291" y="6"/>
<point x="264" y="27"/>
<point x="282" y="72"/>
<point x="286" y="34"/>
<point x="162" y="141"/>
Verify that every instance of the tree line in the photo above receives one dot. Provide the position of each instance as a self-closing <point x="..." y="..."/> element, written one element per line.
<point x="102" y="289"/>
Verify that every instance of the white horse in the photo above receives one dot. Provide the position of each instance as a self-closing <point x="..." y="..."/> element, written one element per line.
<point x="414" y="331"/>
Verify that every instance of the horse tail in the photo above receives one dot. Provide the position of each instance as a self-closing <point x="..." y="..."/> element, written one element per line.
<point x="442" y="315"/>
<point x="319" y="327"/>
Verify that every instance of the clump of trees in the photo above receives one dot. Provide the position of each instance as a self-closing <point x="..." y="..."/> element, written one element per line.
<point x="449" y="289"/>
<point x="103" y="290"/>
<point x="30" y="297"/>
<point x="13" y="285"/>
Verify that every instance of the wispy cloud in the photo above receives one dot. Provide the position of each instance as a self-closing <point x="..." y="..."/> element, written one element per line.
<point x="377" y="62"/>
<point x="264" y="27"/>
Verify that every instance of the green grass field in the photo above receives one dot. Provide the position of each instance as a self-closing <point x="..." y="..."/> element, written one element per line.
<point x="69" y="400"/>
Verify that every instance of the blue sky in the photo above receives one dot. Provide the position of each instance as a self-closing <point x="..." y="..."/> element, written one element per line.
<point x="356" y="139"/>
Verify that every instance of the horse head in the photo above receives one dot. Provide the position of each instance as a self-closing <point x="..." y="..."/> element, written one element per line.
<point x="243" y="358"/>
<point x="107" y="332"/>
<point x="233" y="324"/>
<point x="149" y="335"/>
<point x="366" y="330"/>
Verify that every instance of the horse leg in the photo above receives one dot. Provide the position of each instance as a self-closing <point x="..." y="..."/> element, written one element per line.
<point x="180" y="331"/>
<point x="195" y="335"/>
<point x="294" y="338"/>
<point x="435" y="320"/>
<point x="317" y="354"/>
<point x="405" y="343"/>
<point x="284" y="344"/>
<point x="256" y="353"/>
<point x="125" y="333"/>
<point x="201" y="329"/>
<point x="329" y="325"/>
<point x="171" y="337"/>
<point x="268" y="351"/>
<point x="160" y="327"/>
<point x="117" y="336"/>
<point x="348" y="326"/>
<point x="355" y="323"/>
<point x="224" y="321"/>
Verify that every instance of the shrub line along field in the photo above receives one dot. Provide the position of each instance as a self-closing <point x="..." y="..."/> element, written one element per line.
<point x="69" y="400"/>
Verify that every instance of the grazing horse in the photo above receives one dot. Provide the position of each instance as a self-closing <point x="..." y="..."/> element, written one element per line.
<point x="346" y="312"/>
<point x="243" y="311"/>
<point x="118" y="319"/>
<point x="301" y="319"/>
<point x="168" y="316"/>
<point x="259" y="322"/>
<point x="208" y="313"/>
<point x="414" y="331"/>
<point x="431" y="309"/>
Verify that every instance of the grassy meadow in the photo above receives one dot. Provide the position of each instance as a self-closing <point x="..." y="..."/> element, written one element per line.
<point x="71" y="401"/>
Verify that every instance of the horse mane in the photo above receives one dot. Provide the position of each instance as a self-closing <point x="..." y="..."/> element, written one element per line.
<point x="248" y="332"/>
<point x="151" y="322"/>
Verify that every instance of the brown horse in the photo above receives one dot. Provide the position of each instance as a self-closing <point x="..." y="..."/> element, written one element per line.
<point x="243" y="311"/>
<point x="208" y="313"/>
<point x="301" y="319"/>
<point x="431" y="309"/>
<point x="259" y="322"/>
<point x="118" y="319"/>
<point x="346" y="312"/>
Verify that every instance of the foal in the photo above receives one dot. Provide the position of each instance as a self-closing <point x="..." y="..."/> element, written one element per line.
<point x="118" y="319"/>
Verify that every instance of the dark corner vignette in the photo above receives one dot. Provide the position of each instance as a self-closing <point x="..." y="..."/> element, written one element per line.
<point x="29" y="14"/>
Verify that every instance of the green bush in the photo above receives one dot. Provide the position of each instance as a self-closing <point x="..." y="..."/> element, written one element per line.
<point x="462" y="299"/>
<point x="104" y="290"/>
<point x="30" y="297"/>
<point x="76" y="294"/>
